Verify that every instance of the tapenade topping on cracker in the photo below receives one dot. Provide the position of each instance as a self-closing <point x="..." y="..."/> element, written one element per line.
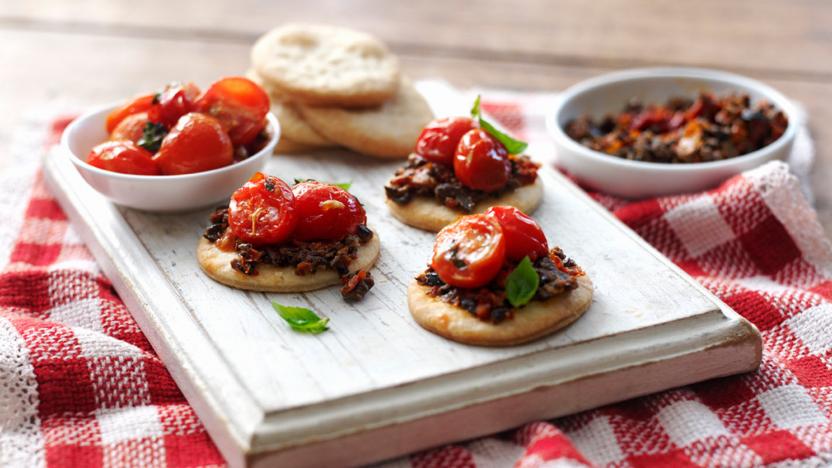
<point x="310" y="227"/>
<point x="461" y="161"/>
<point x="493" y="264"/>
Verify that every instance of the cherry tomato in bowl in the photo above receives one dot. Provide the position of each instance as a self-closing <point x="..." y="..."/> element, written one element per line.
<point x="523" y="235"/>
<point x="438" y="141"/>
<point x="139" y="104"/>
<point x="481" y="162"/>
<point x="325" y="212"/>
<point x="469" y="252"/>
<point x="131" y="128"/>
<point x="124" y="157"/>
<point x="262" y="211"/>
<point x="173" y="102"/>
<point x="239" y="104"/>
<point x="196" y="143"/>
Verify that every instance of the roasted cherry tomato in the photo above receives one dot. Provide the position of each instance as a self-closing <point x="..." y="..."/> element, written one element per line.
<point x="173" y="102"/>
<point x="470" y="252"/>
<point x="481" y="162"/>
<point x="325" y="212"/>
<point x="440" y="137"/>
<point x="239" y="104"/>
<point x="124" y="157"/>
<point x="131" y="128"/>
<point x="139" y="104"/>
<point x="523" y="235"/>
<point x="262" y="211"/>
<point x="196" y="143"/>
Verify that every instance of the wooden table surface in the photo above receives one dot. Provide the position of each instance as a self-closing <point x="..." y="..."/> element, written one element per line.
<point x="88" y="52"/>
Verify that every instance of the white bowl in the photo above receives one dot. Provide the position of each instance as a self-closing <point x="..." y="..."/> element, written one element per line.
<point x="607" y="94"/>
<point x="157" y="193"/>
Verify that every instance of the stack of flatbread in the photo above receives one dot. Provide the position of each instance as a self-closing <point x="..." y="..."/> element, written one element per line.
<point x="335" y="87"/>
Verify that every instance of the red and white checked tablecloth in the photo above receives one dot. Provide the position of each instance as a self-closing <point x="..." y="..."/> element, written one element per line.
<point x="80" y="386"/>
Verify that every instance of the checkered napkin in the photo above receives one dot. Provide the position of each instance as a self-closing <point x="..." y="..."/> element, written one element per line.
<point x="79" y="384"/>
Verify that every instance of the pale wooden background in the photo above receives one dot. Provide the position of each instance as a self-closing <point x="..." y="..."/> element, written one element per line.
<point x="94" y="51"/>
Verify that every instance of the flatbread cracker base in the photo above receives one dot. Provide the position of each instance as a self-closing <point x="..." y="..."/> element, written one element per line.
<point x="387" y="131"/>
<point x="292" y="125"/>
<point x="427" y="214"/>
<point x="216" y="264"/>
<point x="531" y="322"/>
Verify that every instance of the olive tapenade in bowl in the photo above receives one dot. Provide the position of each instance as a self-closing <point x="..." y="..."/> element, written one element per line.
<point x="660" y="131"/>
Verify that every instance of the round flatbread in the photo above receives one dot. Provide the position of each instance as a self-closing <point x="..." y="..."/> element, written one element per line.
<point x="217" y="264"/>
<point x="295" y="128"/>
<point x="326" y="65"/>
<point x="426" y="213"/>
<point x="292" y="124"/>
<point x="388" y="131"/>
<point x="534" y="320"/>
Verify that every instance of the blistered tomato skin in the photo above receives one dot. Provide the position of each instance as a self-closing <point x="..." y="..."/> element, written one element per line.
<point x="196" y="143"/>
<point x="470" y="252"/>
<point x="481" y="162"/>
<point x="239" y="104"/>
<point x="130" y="128"/>
<point x="138" y="104"/>
<point x="439" y="139"/>
<point x="523" y="235"/>
<point x="325" y="212"/>
<point x="172" y="103"/>
<point x="262" y="211"/>
<point x="124" y="157"/>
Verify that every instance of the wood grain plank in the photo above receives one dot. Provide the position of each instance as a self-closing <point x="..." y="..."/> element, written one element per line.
<point x="80" y="70"/>
<point x="788" y="37"/>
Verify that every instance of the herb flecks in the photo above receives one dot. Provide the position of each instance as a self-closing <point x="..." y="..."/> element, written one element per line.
<point x="513" y="145"/>
<point x="152" y="136"/>
<point x="302" y="319"/>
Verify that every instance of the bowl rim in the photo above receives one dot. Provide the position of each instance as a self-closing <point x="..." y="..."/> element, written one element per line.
<point x="557" y="133"/>
<point x="76" y="123"/>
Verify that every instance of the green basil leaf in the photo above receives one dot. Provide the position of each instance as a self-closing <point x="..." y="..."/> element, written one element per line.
<point x="522" y="283"/>
<point x="513" y="145"/>
<point x="152" y="136"/>
<point x="343" y="185"/>
<point x="301" y="319"/>
<point x="475" y="109"/>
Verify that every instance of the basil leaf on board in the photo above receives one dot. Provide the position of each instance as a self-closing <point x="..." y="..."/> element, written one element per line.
<point x="522" y="283"/>
<point x="152" y="136"/>
<point x="513" y="145"/>
<point x="301" y="319"/>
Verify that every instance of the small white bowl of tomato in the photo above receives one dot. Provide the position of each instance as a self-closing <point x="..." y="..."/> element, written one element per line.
<point x="175" y="150"/>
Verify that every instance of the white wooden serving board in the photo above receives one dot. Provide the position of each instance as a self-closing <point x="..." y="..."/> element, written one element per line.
<point x="376" y="385"/>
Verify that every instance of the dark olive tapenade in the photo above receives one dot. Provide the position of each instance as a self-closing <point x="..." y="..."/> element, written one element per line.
<point x="682" y="130"/>
<point x="557" y="274"/>
<point x="304" y="257"/>
<point x="422" y="178"/>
